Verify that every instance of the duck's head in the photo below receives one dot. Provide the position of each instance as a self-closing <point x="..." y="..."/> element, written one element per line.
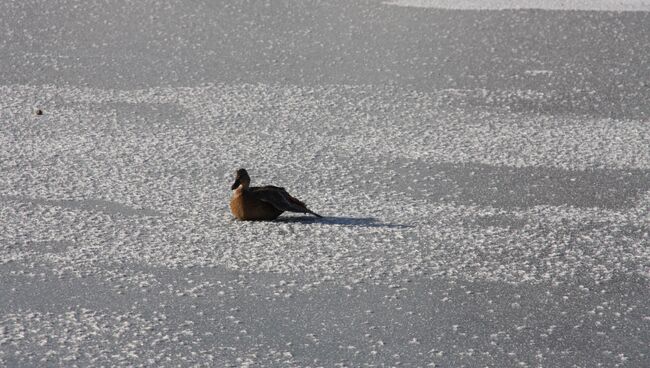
<point x="241" y="178"/>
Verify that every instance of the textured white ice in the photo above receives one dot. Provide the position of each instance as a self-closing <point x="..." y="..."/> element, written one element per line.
<point x="598" y="5"/>
<point x="109" y="187"/>
<point x="144" y="187"/>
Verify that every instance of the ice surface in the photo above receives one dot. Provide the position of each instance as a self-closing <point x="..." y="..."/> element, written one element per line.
<point x="92" y="195"/>
<point x="491" y="212"/>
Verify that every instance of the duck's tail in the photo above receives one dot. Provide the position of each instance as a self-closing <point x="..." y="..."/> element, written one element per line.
<point x="300" y="206"/>
<point x="314" y="213"/>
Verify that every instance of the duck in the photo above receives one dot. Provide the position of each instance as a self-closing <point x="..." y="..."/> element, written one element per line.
<point x="262" y="203"/>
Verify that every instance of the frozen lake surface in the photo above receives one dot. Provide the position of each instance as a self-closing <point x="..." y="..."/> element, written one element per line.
<point x="485" y="178"/>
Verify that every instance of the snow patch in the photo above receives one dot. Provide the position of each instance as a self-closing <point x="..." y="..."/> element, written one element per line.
<point x="595" y="5"/>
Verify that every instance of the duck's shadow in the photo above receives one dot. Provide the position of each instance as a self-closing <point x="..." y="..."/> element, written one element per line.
<point x="339" y="220"/>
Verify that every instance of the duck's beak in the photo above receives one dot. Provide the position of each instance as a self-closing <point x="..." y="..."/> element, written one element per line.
<point x="235" y="185"/>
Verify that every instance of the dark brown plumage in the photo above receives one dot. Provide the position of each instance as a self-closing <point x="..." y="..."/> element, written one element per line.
<point x="262" y="203"/>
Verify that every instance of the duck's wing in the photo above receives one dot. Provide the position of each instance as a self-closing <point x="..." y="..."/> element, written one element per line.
<point x="280" y="199"/>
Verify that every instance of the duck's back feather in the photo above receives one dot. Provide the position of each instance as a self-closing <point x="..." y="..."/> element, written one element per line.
<point x="279" y="198"/>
